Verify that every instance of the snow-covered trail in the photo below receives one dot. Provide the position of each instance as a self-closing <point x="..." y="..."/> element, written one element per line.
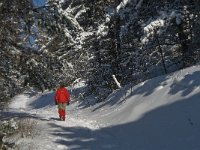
<point x="76" y="132"/>
<point x="158" y="114"/>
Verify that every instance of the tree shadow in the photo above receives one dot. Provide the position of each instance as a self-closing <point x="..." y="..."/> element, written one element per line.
<point x="146" y="88"/>
<point x="4" y="115"/>
<point x="170" y="127"/>
<point x="149" y="86"/>
<point x="186" y="85"/>
<point x="7" y="115"/>
<point x="44" y="101"/>
<point x="77" y="138"/>
<point x="117" y="97"/>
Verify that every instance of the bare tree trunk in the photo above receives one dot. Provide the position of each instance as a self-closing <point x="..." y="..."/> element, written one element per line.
<point x="116" y="81"/>
<point x="186" y="53"/>
<point x="161" y="53"/>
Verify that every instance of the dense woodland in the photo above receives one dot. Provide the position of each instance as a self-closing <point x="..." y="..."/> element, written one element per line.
<point x="66" y="40"/>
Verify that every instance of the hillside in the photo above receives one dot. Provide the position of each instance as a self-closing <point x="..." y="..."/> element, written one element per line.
<point x="158" y="114"/>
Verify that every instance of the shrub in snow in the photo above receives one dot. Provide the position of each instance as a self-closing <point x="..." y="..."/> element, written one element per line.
<point x="8" y="127"/>
<point x="14" y="130"/>
<point x="27" y="128"/>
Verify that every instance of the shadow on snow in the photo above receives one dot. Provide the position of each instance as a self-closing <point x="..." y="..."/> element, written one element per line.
<point x="43" y="101"/>
<point x="185" y="85"/>
<point x="171" y="127"/>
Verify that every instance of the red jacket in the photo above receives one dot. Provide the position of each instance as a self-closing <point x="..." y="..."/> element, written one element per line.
<point x="62" y="95"/>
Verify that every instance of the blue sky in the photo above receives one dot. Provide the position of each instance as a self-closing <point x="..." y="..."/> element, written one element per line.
<point x="39" y="3"/>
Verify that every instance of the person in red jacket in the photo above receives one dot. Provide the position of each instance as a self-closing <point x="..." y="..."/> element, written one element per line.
<point x="62" y="98"/>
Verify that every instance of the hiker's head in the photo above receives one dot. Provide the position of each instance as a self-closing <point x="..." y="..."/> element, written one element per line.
<point x="62" y="84"/>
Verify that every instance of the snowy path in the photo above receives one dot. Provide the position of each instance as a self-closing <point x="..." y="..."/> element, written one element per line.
<point x="74" y="133"/>
<point x="158" y="114"/>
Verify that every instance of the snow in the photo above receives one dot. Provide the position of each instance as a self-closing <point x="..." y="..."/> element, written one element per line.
<point x="152" y="28"/>
<point x="80" y="13"/>
<point x="83" y="36"/>
<point x="116" y="81"/>
<point x="158" y="114"/>
<point x="102" y="30"/>
<point x="70" y="65"/>
<point x="71" y="19"/>
<point x="122" y="5"/>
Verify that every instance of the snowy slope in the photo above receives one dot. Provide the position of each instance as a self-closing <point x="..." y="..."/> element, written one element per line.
<point x="158" y="114"/>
